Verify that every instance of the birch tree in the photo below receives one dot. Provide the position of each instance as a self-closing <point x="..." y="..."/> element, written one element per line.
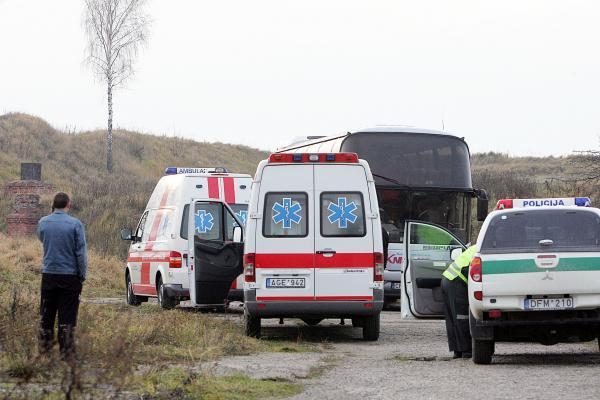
<point x="116" y="30"/>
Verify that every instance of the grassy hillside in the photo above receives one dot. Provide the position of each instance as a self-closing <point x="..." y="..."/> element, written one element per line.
<point x="75" y="163"/>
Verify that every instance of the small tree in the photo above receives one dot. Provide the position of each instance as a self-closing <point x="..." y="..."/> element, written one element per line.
<point x="116" y="30"/>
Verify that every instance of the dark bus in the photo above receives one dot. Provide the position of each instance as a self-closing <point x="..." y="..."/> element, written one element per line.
<point x="420" y="175"/>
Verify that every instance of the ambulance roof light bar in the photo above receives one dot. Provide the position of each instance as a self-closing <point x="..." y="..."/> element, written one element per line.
<point x="291" y="158"/>
<point x="504" y="204"/>
<point x="201" y="170"/>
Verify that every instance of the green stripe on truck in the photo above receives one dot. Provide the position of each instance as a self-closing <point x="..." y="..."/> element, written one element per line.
<point x="528" y="265"/>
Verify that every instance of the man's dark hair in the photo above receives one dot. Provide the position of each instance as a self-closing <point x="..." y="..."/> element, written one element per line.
<point x="61" y="200"/>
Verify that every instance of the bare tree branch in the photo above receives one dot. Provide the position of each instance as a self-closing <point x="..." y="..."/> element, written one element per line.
<point x="116" y="30"/>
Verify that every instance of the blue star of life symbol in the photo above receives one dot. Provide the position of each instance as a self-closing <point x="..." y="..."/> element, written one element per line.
<point x="204" y="221"/>
<point x="342" y="212"/>
<point x="242" y="216"/>
<point x="287" y="212"/>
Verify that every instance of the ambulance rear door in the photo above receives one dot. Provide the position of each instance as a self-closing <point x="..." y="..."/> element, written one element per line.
<point x="344" y="248"/>
<point x="427" y="248"/>
<point x="215" y="251"/>
<point x="285" y="234"/>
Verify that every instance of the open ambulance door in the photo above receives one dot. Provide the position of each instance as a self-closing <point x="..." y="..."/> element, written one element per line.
<point x="427" y="249"/>
<point x="216" y="252"/>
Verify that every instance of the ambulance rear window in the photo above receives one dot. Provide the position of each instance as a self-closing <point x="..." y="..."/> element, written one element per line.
<point x="543" y="230"/>
<point x="207" y="221"/>
<point x="286" y="214"/>
<point x="342" y="214"/>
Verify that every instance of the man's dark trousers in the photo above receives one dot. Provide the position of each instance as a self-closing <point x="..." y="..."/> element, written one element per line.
<point x="456" y="311"/>
<point x="60" y="294"/>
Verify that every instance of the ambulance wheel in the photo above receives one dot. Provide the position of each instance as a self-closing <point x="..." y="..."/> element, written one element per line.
<point x="371" y="328"/>
<point x="132" y="299"/>
<point x="163" y="299"/>
<point x="483" y="351"/>
<point x="312" y="321"/>
<point x="251" y="325"/>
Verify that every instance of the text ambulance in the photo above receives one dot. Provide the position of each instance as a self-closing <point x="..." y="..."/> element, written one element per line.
<point x="536" y="274"/>
<point x="314" y="244"/>
<point x="186" y="208"/>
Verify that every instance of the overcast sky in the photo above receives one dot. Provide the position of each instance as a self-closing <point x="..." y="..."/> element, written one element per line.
<point x="519" y="76"/>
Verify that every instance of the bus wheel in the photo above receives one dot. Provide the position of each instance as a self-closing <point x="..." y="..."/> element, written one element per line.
<point x="312" y="321"/>
<point x="163" y="299"/>
<point x="251" y="325"/>
<point x="371" y="328"/>
<point x="132" y="299"/>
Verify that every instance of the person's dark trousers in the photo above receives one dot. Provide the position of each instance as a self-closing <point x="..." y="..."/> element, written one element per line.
<point x="456" y="313"/>
<point x="60" y="294"/>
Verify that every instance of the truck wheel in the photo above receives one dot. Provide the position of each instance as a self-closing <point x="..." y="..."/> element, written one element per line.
<point x="371" y="328"/>
<point x="251" y="325"/>
<point x="163" y="299"/>
<point x="312" y="321"/>
<point x="483" y="351"/>
<point x="132" y="299"/>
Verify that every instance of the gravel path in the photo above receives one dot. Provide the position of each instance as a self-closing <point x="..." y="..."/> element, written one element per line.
<point x="411" y="361"/>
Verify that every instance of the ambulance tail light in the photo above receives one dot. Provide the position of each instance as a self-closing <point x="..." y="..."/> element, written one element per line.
<point x="378" y="267"/>
<point x="504" y="204"/>
<point x="249" y="271"/>
<point x="478" y="294"/>
<point x="475" y="269"/>
<point x="175" y="259"/>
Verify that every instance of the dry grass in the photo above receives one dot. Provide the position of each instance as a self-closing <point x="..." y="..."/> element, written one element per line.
<point x="138" y="350"/>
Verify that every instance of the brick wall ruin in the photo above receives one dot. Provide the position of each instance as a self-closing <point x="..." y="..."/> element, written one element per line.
<point x="26" y="209"/>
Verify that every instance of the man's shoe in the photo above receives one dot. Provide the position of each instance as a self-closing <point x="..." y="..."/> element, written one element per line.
<point x="467" y="354"/>
<point x="457" y="354"/>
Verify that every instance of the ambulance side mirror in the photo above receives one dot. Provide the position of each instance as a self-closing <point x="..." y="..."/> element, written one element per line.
<point x="237" y="234"/>
<point x="126" y="234"/>
<point x="455" y="253"/>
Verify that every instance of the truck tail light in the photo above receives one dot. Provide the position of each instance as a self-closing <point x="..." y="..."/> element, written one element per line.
<point x="378" y="267"/>
<point x="475" y="269"/>
<point x="174" y="259"/>
<point x="249" y="271"/>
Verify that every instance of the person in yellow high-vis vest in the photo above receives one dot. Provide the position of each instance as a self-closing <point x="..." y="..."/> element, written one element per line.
<point x="456" y="304"/>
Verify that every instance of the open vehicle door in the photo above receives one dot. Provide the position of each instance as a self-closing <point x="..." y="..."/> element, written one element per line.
<point x="215" y="252"/>
<point x="427" y="248"/>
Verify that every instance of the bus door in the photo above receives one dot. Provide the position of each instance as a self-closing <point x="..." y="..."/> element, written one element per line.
<point x="427" y="248"/>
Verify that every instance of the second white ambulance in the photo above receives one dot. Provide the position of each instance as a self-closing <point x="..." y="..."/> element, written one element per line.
<point x="172" y="255"/>
<point x="313" y="245"/>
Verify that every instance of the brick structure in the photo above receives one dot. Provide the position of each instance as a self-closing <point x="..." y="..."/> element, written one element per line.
<point x="26" y="209"/>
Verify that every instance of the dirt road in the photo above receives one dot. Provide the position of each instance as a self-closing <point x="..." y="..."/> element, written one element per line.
<point x="411" y="361"/>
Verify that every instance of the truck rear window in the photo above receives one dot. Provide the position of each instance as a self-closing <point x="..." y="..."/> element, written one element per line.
<point x="543" y="230"/>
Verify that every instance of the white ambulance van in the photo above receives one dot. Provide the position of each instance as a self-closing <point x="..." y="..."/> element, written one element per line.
<point x="536" y="274"/>
<point x="189" y="209"/>
<point x="313" y="245"/>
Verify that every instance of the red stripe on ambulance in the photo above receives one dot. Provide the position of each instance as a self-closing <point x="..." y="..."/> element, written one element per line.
<point x="213" y="187"/>
<point x="229" y="189"/>
<point x="304" y="260"/>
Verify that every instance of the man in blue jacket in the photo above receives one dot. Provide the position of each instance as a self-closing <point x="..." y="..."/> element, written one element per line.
<point x="63" y="273"/>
